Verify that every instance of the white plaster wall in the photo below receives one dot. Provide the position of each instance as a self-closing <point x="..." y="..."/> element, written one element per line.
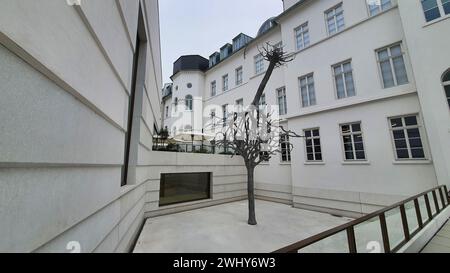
<point x="428" y="46"/>
<point x="359" y="187"/>
<point x="65" y="76"/>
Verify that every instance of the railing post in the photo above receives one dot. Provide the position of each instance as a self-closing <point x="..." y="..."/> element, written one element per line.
<point x="436" y="202"/>
<point x="447" y="194"/>
<point x="405" y="223"/>
<point x="351" y="240"/>
<point x="418" y="213"/>
<point x="384" y="233"/>
<point x="427" y="203"/>
<point x="442" y="198"/>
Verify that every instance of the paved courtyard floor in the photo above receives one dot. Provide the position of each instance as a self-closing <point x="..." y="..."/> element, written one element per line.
<point x="224" y="229"/>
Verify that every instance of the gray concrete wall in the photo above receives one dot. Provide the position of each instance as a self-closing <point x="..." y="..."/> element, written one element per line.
<point x="229" y="179"/>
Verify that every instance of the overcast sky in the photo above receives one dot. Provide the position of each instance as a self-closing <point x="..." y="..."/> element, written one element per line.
<point x="190" y="27"/>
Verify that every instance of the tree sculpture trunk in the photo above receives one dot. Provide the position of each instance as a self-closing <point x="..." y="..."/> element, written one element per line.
<point x="251" y="196"/>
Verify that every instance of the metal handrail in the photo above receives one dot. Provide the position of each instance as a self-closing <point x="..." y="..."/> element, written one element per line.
<point x="381" y="214"/>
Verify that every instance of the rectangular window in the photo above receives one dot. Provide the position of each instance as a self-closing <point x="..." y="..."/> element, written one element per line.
<point x="392" y="66"/>
<point x="225" y="82"/>
<point x="377" y="6"/>
<point x="407" y="137"/>
<point x="240" y="105"/>
<point x="431" y="10"/>
<point x="213" y="119"/>
<point x="313" y="145"/>
<point x="335" y="19"/>
<point x="285" y="147"/>
<point x="343" y="75"/>
<point x="225" y="114"/>
<point x="259" y="64"/>
<point x="352" y="140"/>
<point x="262" y="100"/>
<point x="213" y="88"/>
<point x="282" y="101"/>
<point x="302" y="36"/>
<point x="239" y="76"/>
<point x="184" y="187"/>
<point x="167" y="111"/>
<point x="446" y="6"/>
<point x="307" y="91"/>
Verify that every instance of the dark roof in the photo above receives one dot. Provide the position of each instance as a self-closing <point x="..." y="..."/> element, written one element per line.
<point x="190" y="62"/>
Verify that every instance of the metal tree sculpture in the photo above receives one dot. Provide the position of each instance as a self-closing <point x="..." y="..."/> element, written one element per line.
<point x="255" y="134"/>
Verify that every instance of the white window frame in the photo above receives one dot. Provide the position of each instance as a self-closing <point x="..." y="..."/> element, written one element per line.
<point x="240" y="105"/>
<point x="333" y="9"/>
<point x="379" y="7"/>
<point x="189" y="103"/>
<point x="423" y="139"/>
<point x="394" y="72"/>
<point x="284" y="140"/>
<point x="352" y="133"/>
<point x="239" y="75"/>
<point x="302" y="30"/>
<point x="224" y="114"/>
<point x="225" y="83"/>
<point x="282" y="89"/>
<point x="312" y="138"/>
<point x="213" y="88"/>
<point x="307" y="77"/>
<point x="441" y="12"/>
<point x="345" y="83"/>
<point x="259" y="59"/>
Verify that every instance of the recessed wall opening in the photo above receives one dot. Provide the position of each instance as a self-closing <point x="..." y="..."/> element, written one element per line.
<point x="179" y="188"/>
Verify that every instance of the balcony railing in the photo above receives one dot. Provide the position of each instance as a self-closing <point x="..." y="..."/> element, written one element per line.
<point x="386" y="230"/>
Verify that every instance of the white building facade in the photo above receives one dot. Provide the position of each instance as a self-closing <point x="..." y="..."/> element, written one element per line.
<point x="368" y="88"/>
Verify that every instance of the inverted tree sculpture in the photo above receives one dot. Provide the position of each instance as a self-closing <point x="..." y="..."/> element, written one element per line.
<point x="255" y="134"/>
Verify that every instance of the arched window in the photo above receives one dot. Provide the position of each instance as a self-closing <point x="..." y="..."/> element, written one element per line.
<point x="189" y="102"/>
<point x="446" y="82"/>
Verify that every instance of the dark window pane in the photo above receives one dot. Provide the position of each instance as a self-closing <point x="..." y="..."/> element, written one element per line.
<point x="401" y="144"/>
<point x="413" y="133"/>
<point x="348" y="147"/>
<point x="432" y="14"/>
<point x="347" y="139"/>
<point x="360" y="155"/>
<point x="415" y="143"/>
<point x="309" y="150"/>
<point x="316" y="133"/>
<point x="447" y="8"/>
<point x="319" y="156"/>
<point x="346" y="129"/>
<point x="417" y="153"/>
<point x="357" y="138"/>
<point x="410" y="121"/>
<point x="356" y="127"/>
<point x="349" y="156"/>
<point x="308" y="133"/>
<point x="316" y="141"/>
<point x="318" y="149"/>
<point x="310" y="157"/>
<point x="399" y="134"/>
<point x="397" y="122"/>
<point x="446" y="77"/>
<point x="359" y="147"/>
<point x="185" y="187"/>
<point x="402" y="153"/>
